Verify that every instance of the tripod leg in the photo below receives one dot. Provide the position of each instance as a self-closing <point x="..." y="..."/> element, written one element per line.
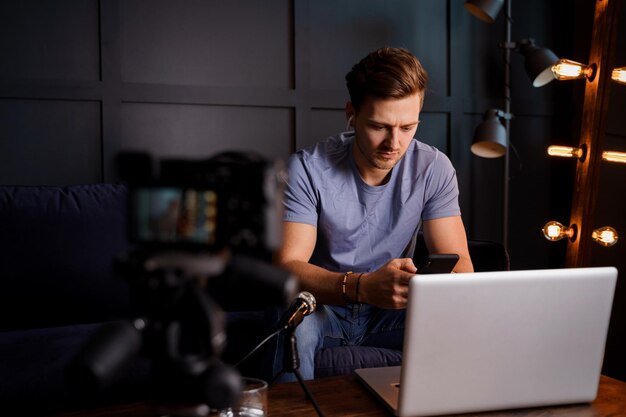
<point x="308" y="393"/>
<point x="291" y="363"/>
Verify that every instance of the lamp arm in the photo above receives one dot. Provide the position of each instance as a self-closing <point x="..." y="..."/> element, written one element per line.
<point x="508" y="22"/>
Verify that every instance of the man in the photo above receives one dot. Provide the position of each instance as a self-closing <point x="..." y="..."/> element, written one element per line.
<point x="354" y="204"/>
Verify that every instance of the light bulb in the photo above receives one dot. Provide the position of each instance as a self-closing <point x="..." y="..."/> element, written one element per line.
<point x="605" y="236"/>
<point x="566" y="69"/>
<point x="619" y="75"/>
<point x="554" y="231"/>
<point x="566" y="151"/>
<point x="613" y="156"/>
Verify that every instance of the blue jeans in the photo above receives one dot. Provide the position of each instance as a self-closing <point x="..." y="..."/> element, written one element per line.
<point x="332" y="326"/>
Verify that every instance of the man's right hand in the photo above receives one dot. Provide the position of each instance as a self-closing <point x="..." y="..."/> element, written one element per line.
<point x="388" y="286"/>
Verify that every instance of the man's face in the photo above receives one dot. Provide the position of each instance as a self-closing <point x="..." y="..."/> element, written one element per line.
<point x="384" y="128"/>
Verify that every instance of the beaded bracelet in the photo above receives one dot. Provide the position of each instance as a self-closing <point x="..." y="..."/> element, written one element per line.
<point x="343" y="285"/>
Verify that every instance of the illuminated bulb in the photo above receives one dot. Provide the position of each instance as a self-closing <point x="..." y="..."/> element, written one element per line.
<point x="619" y="75"/>
<point x="566" y="151"/>
<point x="565" y="69"/>
<point x="554" y="231"/>
<point x="605" y="236"/>
<point x="613" y="156"/>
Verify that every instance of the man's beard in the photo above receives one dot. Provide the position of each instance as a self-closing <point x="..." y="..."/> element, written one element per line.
<point x="376" y="161"/>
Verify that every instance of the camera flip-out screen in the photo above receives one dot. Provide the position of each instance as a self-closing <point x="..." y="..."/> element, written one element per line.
<point x="164" y="215"/>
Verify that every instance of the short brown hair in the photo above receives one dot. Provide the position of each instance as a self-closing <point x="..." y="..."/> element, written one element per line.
<point x="386" y="73"/>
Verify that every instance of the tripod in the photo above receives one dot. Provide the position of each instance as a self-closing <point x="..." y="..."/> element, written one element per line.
<point x="291" y="363"/>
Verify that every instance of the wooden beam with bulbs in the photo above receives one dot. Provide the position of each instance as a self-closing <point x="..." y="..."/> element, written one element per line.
<point x="592" y="131"/>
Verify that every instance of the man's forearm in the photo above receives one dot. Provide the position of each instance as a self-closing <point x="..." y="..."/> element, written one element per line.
<point x="326" y="286"/>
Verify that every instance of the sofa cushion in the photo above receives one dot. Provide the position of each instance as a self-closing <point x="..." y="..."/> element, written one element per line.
<point x="247" y="329"/>
<point x="57" y="246"/>
<point x="343" y="360"/>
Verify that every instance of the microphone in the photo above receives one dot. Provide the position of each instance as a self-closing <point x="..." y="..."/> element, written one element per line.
<point x="303" y="305"/>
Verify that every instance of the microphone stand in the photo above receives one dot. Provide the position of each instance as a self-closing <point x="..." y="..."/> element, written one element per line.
<point x="291" y="363"/>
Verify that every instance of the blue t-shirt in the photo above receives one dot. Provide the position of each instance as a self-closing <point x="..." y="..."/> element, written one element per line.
<point x="361" y="227"/>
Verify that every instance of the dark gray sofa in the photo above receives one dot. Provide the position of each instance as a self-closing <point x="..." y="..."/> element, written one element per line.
<point x="59" y="287"/>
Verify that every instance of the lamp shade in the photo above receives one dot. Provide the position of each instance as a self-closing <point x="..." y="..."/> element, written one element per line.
<point x="538" y="63"/>
<point x="485" y="10"/>
<point x="490" y="139"/>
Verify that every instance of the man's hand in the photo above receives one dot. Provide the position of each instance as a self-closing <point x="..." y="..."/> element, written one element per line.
<point x="388" y="286"/>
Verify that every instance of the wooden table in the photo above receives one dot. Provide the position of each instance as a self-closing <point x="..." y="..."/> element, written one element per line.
<point x="346" y="396"/>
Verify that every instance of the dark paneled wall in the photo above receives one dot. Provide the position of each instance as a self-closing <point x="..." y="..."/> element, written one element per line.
<point x="82" y="80"/>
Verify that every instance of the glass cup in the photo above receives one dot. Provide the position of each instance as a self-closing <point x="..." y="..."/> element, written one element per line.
<point x="253" y="401"/>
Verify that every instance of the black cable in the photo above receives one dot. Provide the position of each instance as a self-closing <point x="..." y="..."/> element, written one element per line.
<point x="258" y="346"/>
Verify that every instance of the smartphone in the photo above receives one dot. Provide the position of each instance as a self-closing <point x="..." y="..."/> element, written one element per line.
<point x="438" y="263"/>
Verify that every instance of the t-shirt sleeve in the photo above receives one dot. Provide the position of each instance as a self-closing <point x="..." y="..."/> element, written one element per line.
<point x="442" y="195"/>
<point x="300" y="197"/>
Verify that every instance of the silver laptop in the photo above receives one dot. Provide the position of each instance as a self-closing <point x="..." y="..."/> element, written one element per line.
<point x="499" y="340"/>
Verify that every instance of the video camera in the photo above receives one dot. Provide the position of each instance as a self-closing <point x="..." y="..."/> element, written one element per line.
<point x="232" y="200"/>
<point x="203" y="230"/>
<point x="219" y="217"/>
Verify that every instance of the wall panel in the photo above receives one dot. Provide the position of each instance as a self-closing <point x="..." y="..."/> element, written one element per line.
<point x="193" y="131"/>
<point x="348" y="30"/>
<point x="216" y="43"/>
<point x="49" y="40"/>
<point x="433" y="129"/>
<point x="530" y="189"/>
<point x="47" y="142"/>
<point x="324" y="124"/>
